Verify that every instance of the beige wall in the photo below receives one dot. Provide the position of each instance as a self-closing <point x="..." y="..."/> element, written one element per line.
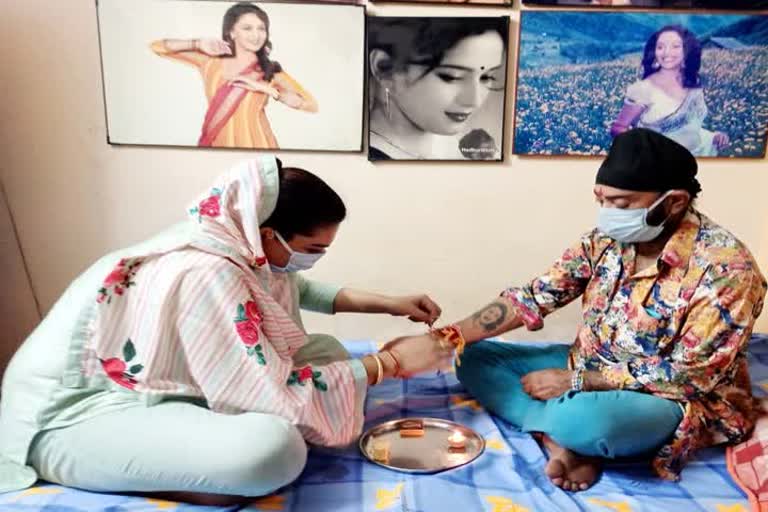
<point x="457" y="231"/>
<point x="18" y="310"/>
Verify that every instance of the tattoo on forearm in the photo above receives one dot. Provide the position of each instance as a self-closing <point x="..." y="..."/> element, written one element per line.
<point x="491" y="317"/>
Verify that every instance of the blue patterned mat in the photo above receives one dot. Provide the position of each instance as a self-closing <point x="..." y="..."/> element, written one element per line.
<point x="508" y="477"/>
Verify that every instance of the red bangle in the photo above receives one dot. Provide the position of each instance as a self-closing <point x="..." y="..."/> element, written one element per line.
<point x="394" y="360"/>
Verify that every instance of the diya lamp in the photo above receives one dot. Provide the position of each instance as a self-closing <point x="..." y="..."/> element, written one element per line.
<point x="457" y="442"/>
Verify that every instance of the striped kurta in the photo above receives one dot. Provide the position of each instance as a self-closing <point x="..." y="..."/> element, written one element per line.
<point x="248" y="127"/>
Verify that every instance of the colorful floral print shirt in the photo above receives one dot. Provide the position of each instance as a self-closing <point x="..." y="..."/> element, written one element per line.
<point x="678" y="330"/>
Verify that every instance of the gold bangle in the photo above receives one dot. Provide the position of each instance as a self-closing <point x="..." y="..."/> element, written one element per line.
<point x="379" y="370"/>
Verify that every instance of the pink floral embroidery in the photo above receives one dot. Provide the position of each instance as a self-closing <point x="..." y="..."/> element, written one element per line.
<point x="247" y="324"/>
<point x="208" y="207"/>
<point x="116" y="276"/>
<point x="119" y="280"/>
<point x="252" y="311"/>
<point x="301" y="376"/>
<point x="248" y="333"/>
<point x="117" y="369"/>
<point x="305" y="373"/>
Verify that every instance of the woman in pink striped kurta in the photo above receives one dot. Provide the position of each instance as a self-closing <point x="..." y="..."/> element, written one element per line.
<point x="187" y="367"/>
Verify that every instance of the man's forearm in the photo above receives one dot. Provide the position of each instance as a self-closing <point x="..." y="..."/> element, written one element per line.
<point x="495" y="318"/>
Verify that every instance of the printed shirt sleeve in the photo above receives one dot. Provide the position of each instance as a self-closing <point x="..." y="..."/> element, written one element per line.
<point x="238" y="369"/>
<point x="316" y="296"/>
<point x="192" y="57"/>
<point x="565" y="281"/>
<point x="718" y="326"/>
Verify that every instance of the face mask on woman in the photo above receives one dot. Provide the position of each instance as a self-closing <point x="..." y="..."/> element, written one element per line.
<point x="630" y="224"/>
<point x="298" y="260"/>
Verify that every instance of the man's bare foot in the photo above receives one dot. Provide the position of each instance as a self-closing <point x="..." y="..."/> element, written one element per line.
<point x="568" y="470"/>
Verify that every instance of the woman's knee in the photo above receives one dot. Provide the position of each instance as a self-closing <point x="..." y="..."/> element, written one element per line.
<point x="272" y="458"/>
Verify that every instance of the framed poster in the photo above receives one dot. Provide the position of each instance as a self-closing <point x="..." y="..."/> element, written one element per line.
<point x="436" y="87"/>
<point x="700" y="79"/>
<point x="451" y="2"/>
<point x="658" y="4"/>
<point x="251" y="75"/>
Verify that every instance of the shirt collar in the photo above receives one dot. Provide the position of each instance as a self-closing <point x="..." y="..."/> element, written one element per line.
<point x="679" y="248"/>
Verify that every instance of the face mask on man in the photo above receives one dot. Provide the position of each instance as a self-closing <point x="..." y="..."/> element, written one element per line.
<point x="298" y="260"/>
<point x="630" y="224"/>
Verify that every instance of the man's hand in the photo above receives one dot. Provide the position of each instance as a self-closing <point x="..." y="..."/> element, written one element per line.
<point x="547" y="384"/>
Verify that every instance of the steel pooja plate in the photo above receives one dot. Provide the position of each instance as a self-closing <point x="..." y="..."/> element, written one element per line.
<point x="429" y="453"/>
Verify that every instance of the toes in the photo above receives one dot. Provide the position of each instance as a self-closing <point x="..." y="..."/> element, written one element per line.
<point x="558" y="482"/>
<point x="583" y="486"/>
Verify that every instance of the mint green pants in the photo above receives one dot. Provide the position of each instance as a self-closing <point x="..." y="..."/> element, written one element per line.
<point x="180" y="446"/>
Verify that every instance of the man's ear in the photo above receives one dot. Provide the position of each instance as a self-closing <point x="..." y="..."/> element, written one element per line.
<point x="677" y="201"/>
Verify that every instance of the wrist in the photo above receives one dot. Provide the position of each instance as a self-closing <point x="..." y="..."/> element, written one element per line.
<point x="578" y="380"/>
<point x="391" y="363"/>
<point x="453" y="335"/>
<point x="371" y="368"/>
<point x="380" y="366"/>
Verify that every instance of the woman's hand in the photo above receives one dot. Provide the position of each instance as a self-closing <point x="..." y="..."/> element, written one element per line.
<point x="418" y="308"/>
<point x="418" y="354"/>
<point x="547" y="384"/>
<point x="213" y="47"/>
<point x="721" y="141"/>
<point x="255" y="86"/>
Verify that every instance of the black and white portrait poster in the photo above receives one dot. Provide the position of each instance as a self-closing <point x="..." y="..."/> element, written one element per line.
<point x="437" y="87"/>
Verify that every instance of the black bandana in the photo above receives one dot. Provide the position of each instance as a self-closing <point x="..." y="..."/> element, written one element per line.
<point x="644" y="160"/>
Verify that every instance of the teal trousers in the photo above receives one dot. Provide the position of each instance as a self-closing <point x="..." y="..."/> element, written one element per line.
<point x="605" y="424"/>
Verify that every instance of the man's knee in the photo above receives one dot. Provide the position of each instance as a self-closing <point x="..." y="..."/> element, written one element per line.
<point x="477" y="360"/>
<point x="611" y="423"/>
